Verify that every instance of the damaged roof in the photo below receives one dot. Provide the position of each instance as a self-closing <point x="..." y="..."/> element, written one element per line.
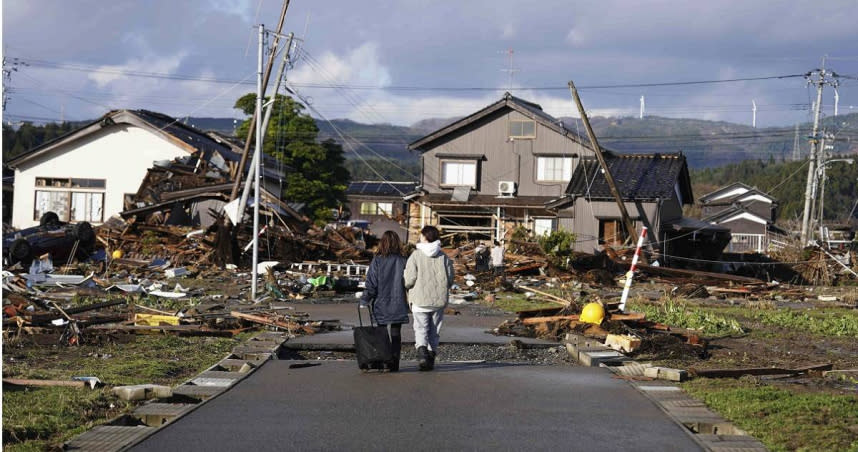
<point x="184" y="136"/>
<point x="380" y="188"/>
<point x="529" y="109"/>
<point x="638" y="176"/>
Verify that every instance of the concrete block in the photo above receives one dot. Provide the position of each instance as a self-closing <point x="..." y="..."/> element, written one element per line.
<point x="622" y="342"/>
<point x="142" y="392"/>
<point x="155" y="414"/>
<point x="666" y="373"/>
<point x="595" y="358"/>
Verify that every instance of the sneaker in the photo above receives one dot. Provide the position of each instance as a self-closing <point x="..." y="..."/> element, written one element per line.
<point x="431" y="360"/>
<point x="423" y="358"/>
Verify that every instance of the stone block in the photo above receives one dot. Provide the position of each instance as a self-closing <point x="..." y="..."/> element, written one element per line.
<point x="595" y="358"/>
<point x="666" y="373"/>
<point x="142" y="392"/>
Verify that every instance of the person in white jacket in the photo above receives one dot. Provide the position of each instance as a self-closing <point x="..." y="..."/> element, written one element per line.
<point x="428" y="278"/>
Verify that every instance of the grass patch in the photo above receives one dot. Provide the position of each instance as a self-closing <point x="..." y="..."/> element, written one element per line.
<point x="514" y="302"/>
<point x="836" y="323"/>
<point x="781" y="418"/>
<point x="43" y="418"/>
<point x="682" y="315"/>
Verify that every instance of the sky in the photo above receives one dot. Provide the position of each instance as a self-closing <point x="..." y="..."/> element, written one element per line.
<point x="404" y="61"/>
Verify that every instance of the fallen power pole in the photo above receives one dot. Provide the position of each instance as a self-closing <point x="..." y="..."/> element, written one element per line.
<point x="627" y="221"/>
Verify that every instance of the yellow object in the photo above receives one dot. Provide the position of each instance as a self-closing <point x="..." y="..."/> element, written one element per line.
<point x="155" y="319"/>
<point x="118" y="254"/>
<point x="592" y="313"/>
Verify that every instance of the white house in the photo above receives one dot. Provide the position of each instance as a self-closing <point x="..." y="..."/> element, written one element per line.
<point x="87" y="174"/>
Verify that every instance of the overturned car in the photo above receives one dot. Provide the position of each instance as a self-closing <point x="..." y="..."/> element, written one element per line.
<point x="59" y="239"/>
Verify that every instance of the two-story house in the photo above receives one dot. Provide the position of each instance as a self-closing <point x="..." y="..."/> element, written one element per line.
<point x="511" y="164"/>
<point x="380" y="204"/>
<point x="748" y="212"/>
<point x="496" y="169"/>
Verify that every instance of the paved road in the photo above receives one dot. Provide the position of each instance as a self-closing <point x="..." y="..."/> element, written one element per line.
<point x="457" y="407"/>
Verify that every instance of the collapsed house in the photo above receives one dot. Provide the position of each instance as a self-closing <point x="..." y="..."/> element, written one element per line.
<point x="95" y="171"/>
<point x="380" y="205"/>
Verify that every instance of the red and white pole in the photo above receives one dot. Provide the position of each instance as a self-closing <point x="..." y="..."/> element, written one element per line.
<point x="630" y="275"/>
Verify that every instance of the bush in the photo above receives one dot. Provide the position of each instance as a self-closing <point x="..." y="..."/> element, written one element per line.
<point x="557" y="243"/>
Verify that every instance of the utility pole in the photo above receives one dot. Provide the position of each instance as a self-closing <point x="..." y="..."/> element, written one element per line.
<point x="239" y="172"/>
<point x="258" y="113"/>
<point x="822" y="78"/>
<point x="627" y="221"/>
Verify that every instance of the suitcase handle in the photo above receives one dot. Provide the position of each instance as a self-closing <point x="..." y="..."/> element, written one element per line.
<point x="360" y="318"/>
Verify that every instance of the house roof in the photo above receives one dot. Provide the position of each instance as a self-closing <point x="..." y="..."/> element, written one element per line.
<point x="529" y="109"/>
<point x="380" y="188"/>
<point x="737" y="210"/>
<point x="638" y="176"/>
<point x="740" y="189"/>
<point x="184" y="136"/>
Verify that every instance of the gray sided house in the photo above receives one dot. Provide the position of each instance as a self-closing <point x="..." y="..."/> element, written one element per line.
<point x="381" y="204"/>
<point x="654" y="188"/>
<point x="749" y="213"/>
<point x="511" y="164"/>
<point x="496" y="169"/>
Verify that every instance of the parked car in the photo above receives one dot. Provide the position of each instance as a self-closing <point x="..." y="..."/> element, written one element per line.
<point x="51" y="236"/>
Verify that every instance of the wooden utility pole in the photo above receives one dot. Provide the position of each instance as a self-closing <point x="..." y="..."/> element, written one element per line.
<point x="239" y="173"/>
<point x="627" y="221"/>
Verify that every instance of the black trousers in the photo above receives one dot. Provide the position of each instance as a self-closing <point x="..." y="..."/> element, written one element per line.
<point x="395" y="331"/>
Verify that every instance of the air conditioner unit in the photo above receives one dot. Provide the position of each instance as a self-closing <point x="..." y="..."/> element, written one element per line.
<point x="506" y="188"/>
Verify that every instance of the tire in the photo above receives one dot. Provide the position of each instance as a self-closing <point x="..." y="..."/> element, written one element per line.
<point x="84" y="233"/>
<point x="20" y="251"/>
<point x="50" y="220"/>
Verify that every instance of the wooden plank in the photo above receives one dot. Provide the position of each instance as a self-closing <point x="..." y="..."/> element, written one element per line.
<point x="24" y="382"/>
<point x="757" y="371"/>
<point x="265" y="321"/>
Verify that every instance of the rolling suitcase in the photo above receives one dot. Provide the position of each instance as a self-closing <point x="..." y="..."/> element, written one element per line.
<point x="372" y="345"/>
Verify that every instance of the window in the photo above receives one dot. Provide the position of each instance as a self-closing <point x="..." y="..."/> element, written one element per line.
<point x="376" y="208"/>
<point x="553" y="169"/>
<point x="459" y="173"/>
<point x="522" y="129"/>
<point x="543" y="226"/>
<point x="71" y="199"/>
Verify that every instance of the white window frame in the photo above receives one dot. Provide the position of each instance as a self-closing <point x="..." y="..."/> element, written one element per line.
<point x="90" y="191"/>
<point x="549" y="168"/>
<point x="461" y="179"/>
<point x="542" y="230"/>
<point x="519" y="134"/>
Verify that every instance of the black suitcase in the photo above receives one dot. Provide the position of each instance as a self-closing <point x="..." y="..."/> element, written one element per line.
<point x="372" y="345"/>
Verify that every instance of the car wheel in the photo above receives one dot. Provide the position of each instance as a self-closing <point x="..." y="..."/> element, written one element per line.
<point x="50" y="220"/>
<point x="83" y="232"/>
<point x="20" y="251"/>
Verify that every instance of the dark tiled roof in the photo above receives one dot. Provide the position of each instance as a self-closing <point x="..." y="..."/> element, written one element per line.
<point x="187" y="134"/>
<point x="373" y="188"/>
<point x="638" y="176"/>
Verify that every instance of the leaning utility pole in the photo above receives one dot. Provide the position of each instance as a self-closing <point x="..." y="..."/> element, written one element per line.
<point x="257" y="159"/>
<point x="239" y="172"/>
<point x="627" y="221"/>
<point x="823" y="78"/>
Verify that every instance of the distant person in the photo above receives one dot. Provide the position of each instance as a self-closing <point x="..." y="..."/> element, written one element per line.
<point x="498" y="251"/>
<point x="481" y="258"/>
<point x="428" y="278"/>
<point x="385" y="291"/>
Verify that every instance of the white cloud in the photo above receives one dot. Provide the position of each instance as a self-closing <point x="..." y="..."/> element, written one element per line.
<point x="108" y="74"/>
<point x="509" y="31"/>
<point x="576" y="37"/>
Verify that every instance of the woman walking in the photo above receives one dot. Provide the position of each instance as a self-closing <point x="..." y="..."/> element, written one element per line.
<point x="385" y="291"/>
<point x="428" y="278"/>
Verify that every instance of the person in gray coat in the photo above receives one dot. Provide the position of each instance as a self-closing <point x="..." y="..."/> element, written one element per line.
<point x="385" y="291"/>
<point x="428" y="278"/>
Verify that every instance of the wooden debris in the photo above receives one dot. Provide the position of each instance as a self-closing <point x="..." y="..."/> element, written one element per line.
<point x="757" y="371"/>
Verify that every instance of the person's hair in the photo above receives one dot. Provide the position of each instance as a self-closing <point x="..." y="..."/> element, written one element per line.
<point x="497" y="243"/>
<point x="389" y="244"/>
<point x="430" y="233"/>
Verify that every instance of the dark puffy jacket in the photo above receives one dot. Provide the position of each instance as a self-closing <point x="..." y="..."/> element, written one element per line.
<point x="385" y="290"/>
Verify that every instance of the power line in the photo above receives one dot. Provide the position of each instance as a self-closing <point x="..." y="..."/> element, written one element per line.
<point x="186" y="77"/>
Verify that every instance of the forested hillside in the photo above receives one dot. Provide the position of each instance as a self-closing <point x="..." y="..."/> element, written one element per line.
<point x="786" y="182"/>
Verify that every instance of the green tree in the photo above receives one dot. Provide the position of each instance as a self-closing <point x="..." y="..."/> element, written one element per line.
<point x="318" y="177"/>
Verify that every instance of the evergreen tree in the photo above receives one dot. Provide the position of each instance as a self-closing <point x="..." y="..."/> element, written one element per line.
<point x="317" y="176"/>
